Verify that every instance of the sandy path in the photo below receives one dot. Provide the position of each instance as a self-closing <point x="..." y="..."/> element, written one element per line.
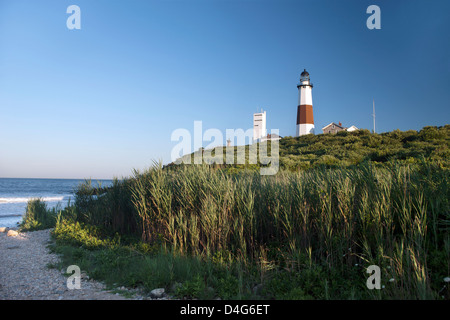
<point x="24" y="272"/>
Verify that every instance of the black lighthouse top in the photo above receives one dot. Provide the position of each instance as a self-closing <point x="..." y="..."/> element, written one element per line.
<point x="304" y="75"/>
<point x="304" y="80"/>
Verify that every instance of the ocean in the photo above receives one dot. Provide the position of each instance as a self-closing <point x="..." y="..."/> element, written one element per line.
<point x="15" y="193"/>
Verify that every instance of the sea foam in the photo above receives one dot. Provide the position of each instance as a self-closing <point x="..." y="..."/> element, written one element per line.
<point x="25" y="200"/>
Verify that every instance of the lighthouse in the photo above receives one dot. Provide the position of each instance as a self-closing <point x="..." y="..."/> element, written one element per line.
<point x="305" y="119"/>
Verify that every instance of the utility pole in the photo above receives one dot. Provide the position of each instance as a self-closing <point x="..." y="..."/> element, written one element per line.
<point x="373" y="116"/>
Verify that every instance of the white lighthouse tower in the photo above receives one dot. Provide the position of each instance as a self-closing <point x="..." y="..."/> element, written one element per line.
<point x="305" y="118"/>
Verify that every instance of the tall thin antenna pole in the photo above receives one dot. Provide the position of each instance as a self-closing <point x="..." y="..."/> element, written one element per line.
<point x="373" y="116"/>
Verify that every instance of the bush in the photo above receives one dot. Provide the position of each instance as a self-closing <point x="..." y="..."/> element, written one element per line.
<point x="37" y="216"/>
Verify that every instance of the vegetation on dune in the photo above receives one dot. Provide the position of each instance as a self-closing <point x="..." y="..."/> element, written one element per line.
<point x="351" y="148"/>
<point x="208" y="231"/>
<point x="38" y="216"/>
<point x="346" y="149"/>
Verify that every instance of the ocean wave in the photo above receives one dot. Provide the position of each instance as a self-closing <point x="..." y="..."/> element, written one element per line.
<point x="25" y="200"/>
<point x="10" y="215"/>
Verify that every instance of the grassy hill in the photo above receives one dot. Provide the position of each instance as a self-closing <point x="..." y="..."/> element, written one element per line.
<point x="351" y="148"/>
<point x="346" y="149"/>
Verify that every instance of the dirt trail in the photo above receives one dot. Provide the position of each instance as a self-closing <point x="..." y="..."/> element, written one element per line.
<point x="25" y="275"/>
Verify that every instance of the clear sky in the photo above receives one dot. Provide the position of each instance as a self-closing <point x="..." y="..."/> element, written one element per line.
<point x="100" y="101"/>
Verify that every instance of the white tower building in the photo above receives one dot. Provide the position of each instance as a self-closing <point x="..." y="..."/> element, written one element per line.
<point x="305" y="118"/>
<point x="259" y="126"/>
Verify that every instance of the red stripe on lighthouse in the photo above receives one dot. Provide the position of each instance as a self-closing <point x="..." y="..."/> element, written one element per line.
<point x="305" y="114"/>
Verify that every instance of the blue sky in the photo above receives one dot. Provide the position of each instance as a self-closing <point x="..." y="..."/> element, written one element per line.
<point x="102" y="100"/>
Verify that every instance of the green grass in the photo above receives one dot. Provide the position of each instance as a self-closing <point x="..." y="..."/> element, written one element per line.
<point x="303" y="235"/>
<point x="38" y="216"/>
<point x="346" y="149"/>
<point x="352" y="148"/>
<point x="208" y="231"/>
<point x="126" y="265"/>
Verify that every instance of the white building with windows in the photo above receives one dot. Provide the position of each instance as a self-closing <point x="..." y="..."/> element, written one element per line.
<point x="259" y="126"/>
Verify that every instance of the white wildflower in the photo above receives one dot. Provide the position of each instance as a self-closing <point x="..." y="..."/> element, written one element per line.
<point x="447" y="279"/>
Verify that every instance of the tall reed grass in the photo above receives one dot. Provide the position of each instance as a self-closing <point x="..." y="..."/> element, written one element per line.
<point x="38" y="216"/>
<point x="395" y="216"/>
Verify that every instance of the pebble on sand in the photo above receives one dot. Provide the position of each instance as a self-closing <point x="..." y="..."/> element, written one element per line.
<point x="12" y="233"/>
<point x="157" y="293"/>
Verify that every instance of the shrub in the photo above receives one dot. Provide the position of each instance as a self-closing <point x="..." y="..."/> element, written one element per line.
<point x="37" y="216"/>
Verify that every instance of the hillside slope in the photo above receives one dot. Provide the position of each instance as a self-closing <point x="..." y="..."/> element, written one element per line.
<point x="351" y="148"/>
